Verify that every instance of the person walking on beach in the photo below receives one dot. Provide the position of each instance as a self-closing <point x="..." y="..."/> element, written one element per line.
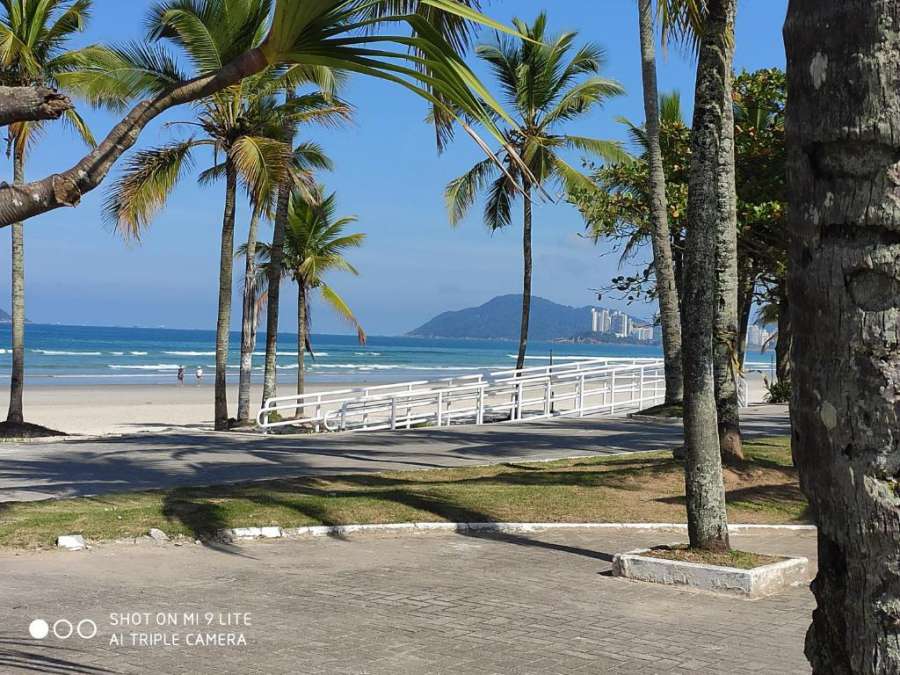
<point x="199" y="374"/>
<point x="180" y="374"/>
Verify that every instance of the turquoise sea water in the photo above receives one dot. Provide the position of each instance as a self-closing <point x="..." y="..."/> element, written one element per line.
<point x="94" y="355"/>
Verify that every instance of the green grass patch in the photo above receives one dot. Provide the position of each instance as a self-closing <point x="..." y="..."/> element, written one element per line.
<point x="637" y="487"/>
<point x="673" y="410"/>
<point x="743" y="560"/>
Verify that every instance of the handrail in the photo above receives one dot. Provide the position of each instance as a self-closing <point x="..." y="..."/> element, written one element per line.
<point x="587" y="386"/>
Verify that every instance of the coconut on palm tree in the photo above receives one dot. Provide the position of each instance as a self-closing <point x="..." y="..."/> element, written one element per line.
<point x="315" y="243"/>
<point x="547" y="82"/>
<point x="33" y="37"/>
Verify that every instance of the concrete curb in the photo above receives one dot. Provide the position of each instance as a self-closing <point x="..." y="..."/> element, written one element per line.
<point x="245" y="533"/>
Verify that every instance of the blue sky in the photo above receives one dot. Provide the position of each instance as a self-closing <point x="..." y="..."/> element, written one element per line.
<point x="387" y="172"/>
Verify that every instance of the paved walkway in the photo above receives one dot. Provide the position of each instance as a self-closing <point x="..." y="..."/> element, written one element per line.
<point x="536" y="603"/>
<point x="90" y="467"/>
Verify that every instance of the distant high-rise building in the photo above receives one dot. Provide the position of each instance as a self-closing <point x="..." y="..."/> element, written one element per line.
<point x="643" y="333"/>
<point x="621" y="324"/>
<point x="757" y="336"/>
<point x="600" y="320"/>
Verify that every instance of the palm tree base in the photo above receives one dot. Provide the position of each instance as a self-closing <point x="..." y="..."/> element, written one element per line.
<point x="15" y="430"/>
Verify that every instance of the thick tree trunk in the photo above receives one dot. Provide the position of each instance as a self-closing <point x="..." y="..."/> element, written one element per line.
<point x="18" y="203"/>
<point x="16" y="412"/>
<point x="843" y="138"/>
<point x="30" y="104"/>
<point x="727" y="329"/>
<point x="707" y="521"/>
<point x="302" y="325"/>
<point x="783" y="341"/>
<point x="666" y="290"/>
<point x="248" y="323"/>
<point x="526" y="273"/>
<point x="223" y="322"/>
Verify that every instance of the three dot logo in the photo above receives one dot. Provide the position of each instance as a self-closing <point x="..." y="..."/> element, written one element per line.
<point x="62" y="629"/>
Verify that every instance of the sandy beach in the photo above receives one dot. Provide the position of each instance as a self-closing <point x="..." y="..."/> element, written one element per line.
<point x="122" y="408"/>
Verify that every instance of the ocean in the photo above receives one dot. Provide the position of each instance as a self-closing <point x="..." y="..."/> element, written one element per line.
<point x="105" y="355"/>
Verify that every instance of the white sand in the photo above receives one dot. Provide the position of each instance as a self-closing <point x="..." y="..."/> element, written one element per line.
<point x="121" y="408"/>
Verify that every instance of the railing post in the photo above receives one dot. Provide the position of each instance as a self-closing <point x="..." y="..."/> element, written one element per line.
<point x="548" y="393"/>
<point x="440" y="406"/>
<point x="580" y="398"/>
<point x="479" y="416"/>
<point x="519" y="390"/>
<point x="393" y="412"/>
<point x="343" y="417"/>
<point x="641" y="391"/>
<point x="612" y="388"/>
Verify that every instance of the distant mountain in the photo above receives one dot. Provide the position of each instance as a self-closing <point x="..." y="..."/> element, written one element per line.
<point x="4" y="317"/>
<point x="500" y="318"/>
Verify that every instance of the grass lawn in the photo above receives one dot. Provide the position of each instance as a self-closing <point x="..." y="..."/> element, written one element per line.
<point x="639" y="487"/>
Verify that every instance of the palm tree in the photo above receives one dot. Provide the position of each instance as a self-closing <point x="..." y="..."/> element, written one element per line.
<point x="546" y="86"/>
<point x="666" y="286"/>
<point x="314" y="244"/>
<point x="306" y="158"/>
<point x="243" y="123"/>
<point x="33" y="36"/>
<point x="711" y="213"/>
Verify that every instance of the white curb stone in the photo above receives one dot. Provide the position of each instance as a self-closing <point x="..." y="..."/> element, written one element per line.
<point x="157" y="535"/>
<point x="71" y="542"/>
<point x="750" y="583"/>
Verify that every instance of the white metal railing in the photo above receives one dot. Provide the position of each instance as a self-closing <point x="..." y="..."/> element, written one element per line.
<point x="571" y="388"/>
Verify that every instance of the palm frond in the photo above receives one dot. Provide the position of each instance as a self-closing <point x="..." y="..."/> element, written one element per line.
<point x="461" y="192"/>
<point x="149" y="177"/>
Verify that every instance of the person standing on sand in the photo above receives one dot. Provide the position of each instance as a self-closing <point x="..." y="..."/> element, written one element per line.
<point x="199" y="374"/>
<point x="180" y="374"/>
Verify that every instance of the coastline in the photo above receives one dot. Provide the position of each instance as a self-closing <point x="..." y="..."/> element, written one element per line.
<point x="135" y="408"/>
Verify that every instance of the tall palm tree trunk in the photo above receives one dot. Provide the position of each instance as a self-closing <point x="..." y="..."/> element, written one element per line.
<point x="273" y="296"/>
<point x="526" y="275"/>
<point x="223" y="323"/>
<point x="302" y="324"/>
<point x="270" y="374"/>
<point x="705" y="492"/>
<point x="727" y="329"/>
<point x="843" y="140"/>
<point x="248" y="323"/>
<point x="16" y="413"/>
<point x="666" y="288"/>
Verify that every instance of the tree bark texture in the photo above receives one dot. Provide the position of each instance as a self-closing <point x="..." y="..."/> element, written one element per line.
<point x="18" y="203"/>
<point x="705" y="492"/>
<point x="31" y="104"/>
<point x="302" y="330"/>
<point x="666" y="290"/>
<point x="16" y="413"/>
<point x="727" y="330"/>
<point x="843" y="139"/>
<point x="248" y="322"/>
<point x="526" y="273"/>
<point x="223" y="321"/>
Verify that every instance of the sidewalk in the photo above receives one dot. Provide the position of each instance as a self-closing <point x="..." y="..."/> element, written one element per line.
<point x="530" y="603"/>
<point x="97" y="466"/>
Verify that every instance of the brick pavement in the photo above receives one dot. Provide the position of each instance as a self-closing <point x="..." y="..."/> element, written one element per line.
<point x="427" y="603"/>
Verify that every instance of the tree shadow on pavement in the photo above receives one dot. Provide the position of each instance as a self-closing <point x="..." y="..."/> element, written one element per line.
<point x="26" y="655"/>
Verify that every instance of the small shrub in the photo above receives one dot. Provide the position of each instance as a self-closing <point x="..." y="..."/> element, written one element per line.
<point x="778" y="391"/>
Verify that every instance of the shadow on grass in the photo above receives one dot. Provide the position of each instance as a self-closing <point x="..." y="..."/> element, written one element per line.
<point x="784" y="498"/>
<point x="22" y="655"/>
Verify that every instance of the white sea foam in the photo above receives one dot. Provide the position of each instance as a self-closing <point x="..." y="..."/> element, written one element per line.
<point x="54" y="352"/>
<point x="138" y="353"/>
<point x="157" y="366"/>
<point x="212" y="353"/>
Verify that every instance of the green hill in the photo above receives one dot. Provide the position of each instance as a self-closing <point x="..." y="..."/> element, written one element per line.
<point x="500" y="318"/>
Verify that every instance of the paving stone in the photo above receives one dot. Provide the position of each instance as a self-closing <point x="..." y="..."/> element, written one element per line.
<point x="393" y="605"/>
